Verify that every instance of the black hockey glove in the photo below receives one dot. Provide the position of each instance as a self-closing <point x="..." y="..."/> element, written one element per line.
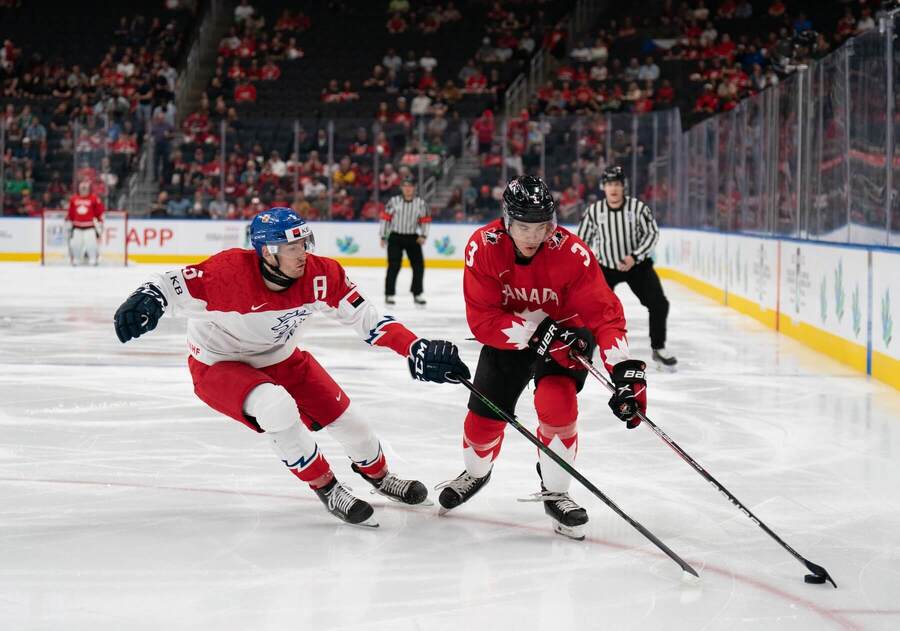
<point x="631" y="391"/>
<point x="551" y="340"/>
<point x="433" y="360"/>
<point x="140" y="312"/>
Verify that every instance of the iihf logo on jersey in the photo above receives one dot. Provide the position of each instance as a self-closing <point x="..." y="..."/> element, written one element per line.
<point x="288" y="323"/>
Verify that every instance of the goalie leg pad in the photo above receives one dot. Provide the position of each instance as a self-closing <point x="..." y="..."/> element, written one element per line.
<point x="90" y="245"/>
<point x="77" y="246"/>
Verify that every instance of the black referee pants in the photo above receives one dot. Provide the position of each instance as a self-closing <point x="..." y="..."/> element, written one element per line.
<point x="396" y="245"/>
<point x="644" y="282"/>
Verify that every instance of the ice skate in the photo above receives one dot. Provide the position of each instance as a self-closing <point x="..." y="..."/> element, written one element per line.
<point x="389" y="300"/>
<point x="346" y="507"/>
<point x="664" y="359"/>
<point x="568" y="517"/>
<point x="419" y="300"/>
<point x="397" y="489"/>
<point x="459" y="490"/>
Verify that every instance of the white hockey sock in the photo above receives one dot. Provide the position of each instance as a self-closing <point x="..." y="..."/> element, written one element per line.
<point x="356" y="437"/>
<point x="555" y="479"/>
<point x="476" y="465"/>
<point x="294" y="446"/>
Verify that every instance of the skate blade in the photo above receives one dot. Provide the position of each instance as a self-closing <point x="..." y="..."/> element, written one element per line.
<point x="369" y="523"/>
<point x="443" y="511"/>
<point x="664" y="368"/>
<point x="575" y="533"/>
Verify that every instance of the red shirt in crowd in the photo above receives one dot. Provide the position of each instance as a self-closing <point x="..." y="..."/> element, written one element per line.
<point x="270" y="72"/>
<point x="32" y="207"/>
<point x="666" y="94"/>
<point x="707" y="102"/>
<point x="245" y="93"/>
<point x="476" y="83"/>
<point x="247" y="48"/>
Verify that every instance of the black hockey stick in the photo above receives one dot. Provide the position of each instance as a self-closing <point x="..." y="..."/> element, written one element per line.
<point x="819" y="574"/>
<point x="511" y="420"/>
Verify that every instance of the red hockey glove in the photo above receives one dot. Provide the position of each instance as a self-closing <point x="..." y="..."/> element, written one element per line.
<point x="552" y="340"/>
<point x="631" y="391"/>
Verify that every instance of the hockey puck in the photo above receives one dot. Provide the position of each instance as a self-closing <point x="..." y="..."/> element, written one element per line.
<point x="814" y="578"/>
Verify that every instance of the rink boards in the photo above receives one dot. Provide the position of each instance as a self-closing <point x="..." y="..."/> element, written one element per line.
<point x="840" y="300"/>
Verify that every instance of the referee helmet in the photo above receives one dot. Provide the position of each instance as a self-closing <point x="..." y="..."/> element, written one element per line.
<point x="613" y="173"/>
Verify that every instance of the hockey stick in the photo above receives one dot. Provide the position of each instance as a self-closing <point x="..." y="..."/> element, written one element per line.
<point x="511" y="420"/>
<point x="819" y="574"/>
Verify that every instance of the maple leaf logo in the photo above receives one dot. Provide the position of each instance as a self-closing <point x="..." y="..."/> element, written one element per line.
<point x="519" y="333"/>
<point x="617" y="352"/>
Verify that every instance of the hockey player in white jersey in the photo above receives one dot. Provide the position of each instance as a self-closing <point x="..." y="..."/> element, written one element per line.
<point x="245" y="309"/>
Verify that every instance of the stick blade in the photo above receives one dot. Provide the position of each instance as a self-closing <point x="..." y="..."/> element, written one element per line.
<point x="820" y="572"/>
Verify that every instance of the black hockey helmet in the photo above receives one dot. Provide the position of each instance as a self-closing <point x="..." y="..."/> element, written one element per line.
<point x="528" y="199"/>
<point x="613" y="173"/>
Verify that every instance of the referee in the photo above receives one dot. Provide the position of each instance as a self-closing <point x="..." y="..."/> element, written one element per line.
<point x="404" y="226"/>
<point x="621" y="231"/>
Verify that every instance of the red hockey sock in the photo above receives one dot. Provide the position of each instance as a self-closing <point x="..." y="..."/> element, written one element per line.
<point x="377" y="470"/>
<point x="317" y="473"/>
<point x="483" y="435"/>
<point x="557" y="409"/>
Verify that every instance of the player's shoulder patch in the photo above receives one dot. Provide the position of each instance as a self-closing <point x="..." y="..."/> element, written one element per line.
<point x="491" y="236"/>
<point x="355" y="298"/>
<point x="557" y="239"/>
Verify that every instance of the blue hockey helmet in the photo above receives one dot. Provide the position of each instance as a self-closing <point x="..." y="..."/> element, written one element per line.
<point x="279" y="225"/>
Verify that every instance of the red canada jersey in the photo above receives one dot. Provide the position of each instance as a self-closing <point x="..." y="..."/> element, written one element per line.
<point x="83" y="209"/>
<point x="507" y="297"/>
<point x="233" y="316"/>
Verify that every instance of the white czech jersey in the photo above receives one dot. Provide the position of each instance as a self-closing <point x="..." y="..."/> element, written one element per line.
<point x="233" y="316"/>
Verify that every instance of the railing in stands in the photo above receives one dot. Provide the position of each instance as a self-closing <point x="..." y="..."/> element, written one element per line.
<point x="204" y="45"/>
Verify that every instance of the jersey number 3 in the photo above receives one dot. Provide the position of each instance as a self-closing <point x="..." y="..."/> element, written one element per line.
<point x="577" y="248"/>
<point x="470" y="253"/>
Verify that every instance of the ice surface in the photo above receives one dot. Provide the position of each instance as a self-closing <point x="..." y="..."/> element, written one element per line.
<point x="129" y="505"/>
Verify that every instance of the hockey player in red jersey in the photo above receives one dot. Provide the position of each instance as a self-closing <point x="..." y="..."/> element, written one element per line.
<point x="84" y="223"/>
<point x="534" y="294"/>
<point x="245" y="312"/>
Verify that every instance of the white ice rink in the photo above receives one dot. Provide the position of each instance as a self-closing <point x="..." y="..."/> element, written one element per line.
<point x="126" y="504"/>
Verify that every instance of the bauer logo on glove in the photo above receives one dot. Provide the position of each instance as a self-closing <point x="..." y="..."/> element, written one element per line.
<point x="631" y="392"/>
<point x="553" y="341"/>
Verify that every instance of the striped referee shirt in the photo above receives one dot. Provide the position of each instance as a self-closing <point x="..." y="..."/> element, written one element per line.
<point x="405" y="217"/>
<point x="614" y="233"/>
